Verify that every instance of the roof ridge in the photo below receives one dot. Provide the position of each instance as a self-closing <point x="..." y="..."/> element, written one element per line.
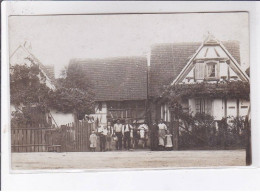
<point x="108" y="58"/>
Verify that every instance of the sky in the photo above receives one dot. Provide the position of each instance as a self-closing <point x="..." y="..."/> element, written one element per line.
<point x="55" y="40"/>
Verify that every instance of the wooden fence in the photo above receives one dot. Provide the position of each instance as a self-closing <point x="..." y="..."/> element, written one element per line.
<point x="73" y="137"/>
<point x="33" y="139"/>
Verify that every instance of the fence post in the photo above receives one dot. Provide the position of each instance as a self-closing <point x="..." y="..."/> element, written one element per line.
<point x="175" y="130"/>
<point x="248" y="142"/>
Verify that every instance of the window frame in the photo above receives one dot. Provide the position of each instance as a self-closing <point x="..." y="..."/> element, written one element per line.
<point x="204" y="105"/>
<point x="216" y="77"/>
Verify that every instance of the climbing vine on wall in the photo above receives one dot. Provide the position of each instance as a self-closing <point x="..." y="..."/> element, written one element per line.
<point x="231" y="89"/>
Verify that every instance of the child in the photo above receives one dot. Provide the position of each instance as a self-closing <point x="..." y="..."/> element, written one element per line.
<point x="93" y="141"/>
<point x="168" y="144"/>
<point x="142" y="136"/>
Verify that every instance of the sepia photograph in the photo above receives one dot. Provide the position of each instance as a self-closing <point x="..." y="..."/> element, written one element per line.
<point x="129" y="91"/>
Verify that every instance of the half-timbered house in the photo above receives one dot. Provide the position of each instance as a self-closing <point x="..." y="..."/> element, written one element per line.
<point x="211" y="62"/>
<point x="119" y="85"/>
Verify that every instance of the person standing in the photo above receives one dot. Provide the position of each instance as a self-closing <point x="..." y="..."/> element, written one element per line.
<point x="102" y="138"/>
<point x="104" y="134"/>
<point x="93" y="141"/>
<point x="154" y="136"/>
<point x="161" y="134"/>
<point x="135" y="136"/>
<point x="118" y="131"/>
<point x="126" y="133"/>
<point x="110" y="132"/>
<point x="144" y="133"/>
<point x="168" y="138"/>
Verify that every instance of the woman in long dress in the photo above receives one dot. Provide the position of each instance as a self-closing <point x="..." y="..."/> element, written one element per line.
<point x="161" y="134"/>
<point x="161" y="139"/>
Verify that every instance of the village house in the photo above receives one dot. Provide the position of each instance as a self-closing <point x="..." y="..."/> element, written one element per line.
<point x="211" y="62"/>
<point x="23" y="56"/>
<point x="120" y="87"/>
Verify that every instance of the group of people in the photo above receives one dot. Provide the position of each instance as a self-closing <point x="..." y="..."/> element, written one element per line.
<point x="161" y="138"/>
<point x="125" y="135"/>
<point x="129" y="135"/>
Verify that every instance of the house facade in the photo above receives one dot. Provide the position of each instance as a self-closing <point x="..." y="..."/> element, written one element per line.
<point x="211" y="62"/>
<point x="119" y="85"/>
<point x="23" y="56"/>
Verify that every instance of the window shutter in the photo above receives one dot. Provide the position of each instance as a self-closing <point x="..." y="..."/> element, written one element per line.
<point x="199" y="71"/>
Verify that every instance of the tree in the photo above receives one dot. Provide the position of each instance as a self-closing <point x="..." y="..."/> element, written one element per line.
<point x="74" y="92"/>
<point x="27" y="86"/>
<point x="29" y="90"/>
<point x="29" y="94"/>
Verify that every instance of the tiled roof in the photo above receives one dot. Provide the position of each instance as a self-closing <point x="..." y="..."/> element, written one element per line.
<point x="167" y="61"/>
<point x="116" y="79"/>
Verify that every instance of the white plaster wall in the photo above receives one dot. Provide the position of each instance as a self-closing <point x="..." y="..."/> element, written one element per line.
<point x="192" y="106"/>
<point x="223" y="70"/>
<point x="231" y="107"/>
<point x="62" y="118"/>
<point x="218" y="109"/>
<point x="101" y="115"/>
<point x="243" y="111"/>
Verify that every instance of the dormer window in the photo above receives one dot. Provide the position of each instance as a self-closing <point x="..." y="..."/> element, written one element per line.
<point x="211" y="70"/>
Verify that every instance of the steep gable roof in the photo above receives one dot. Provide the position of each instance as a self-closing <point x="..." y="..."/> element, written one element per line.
<point x="21" y="54"/>
<point x="116" y="79"/>
<point x="168" y="60"/>
<point x="211" y="48"/>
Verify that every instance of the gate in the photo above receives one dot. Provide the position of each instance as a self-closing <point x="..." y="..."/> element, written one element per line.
<point x="75" y="136"/>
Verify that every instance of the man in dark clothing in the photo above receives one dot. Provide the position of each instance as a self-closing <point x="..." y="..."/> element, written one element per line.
<point x="154" y="136"/>
<point x="102" y="138"/>
<point x="126" y="131"/>
<point x="136" y="136"/>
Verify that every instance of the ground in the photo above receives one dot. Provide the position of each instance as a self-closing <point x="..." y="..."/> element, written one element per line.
<point x="127" y="159"/>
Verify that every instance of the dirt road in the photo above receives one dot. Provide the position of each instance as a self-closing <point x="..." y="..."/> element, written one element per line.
<point x="124" y="159"/>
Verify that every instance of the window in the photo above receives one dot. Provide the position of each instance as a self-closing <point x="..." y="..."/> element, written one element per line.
<point x="165" y="112"/>
<point x="208" y="70"/>
<point x="203" y="105"/>
<point x="211" y="70"/>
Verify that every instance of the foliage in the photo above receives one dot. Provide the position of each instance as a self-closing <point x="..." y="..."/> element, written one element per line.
<point x="200" y="130"/>
<point x="230" y="89"/>
<point x="196" y="130"/>
<point x="27" y="86"/>
<point x="74" y="77"/>
<point x="203" y="133"/>
<point x="74" y="92"/>
<point x="28" y="89"/>
<point x="71" y="100"/>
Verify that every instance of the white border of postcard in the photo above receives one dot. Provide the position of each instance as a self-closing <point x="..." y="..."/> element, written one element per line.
<point x="179" y="179"/>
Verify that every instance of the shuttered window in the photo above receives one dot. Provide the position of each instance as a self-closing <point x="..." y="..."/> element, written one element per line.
<point x="199" y="71"/>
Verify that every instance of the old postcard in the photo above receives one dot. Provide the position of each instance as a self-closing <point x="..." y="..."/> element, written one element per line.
<point x="129" y="91"/>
